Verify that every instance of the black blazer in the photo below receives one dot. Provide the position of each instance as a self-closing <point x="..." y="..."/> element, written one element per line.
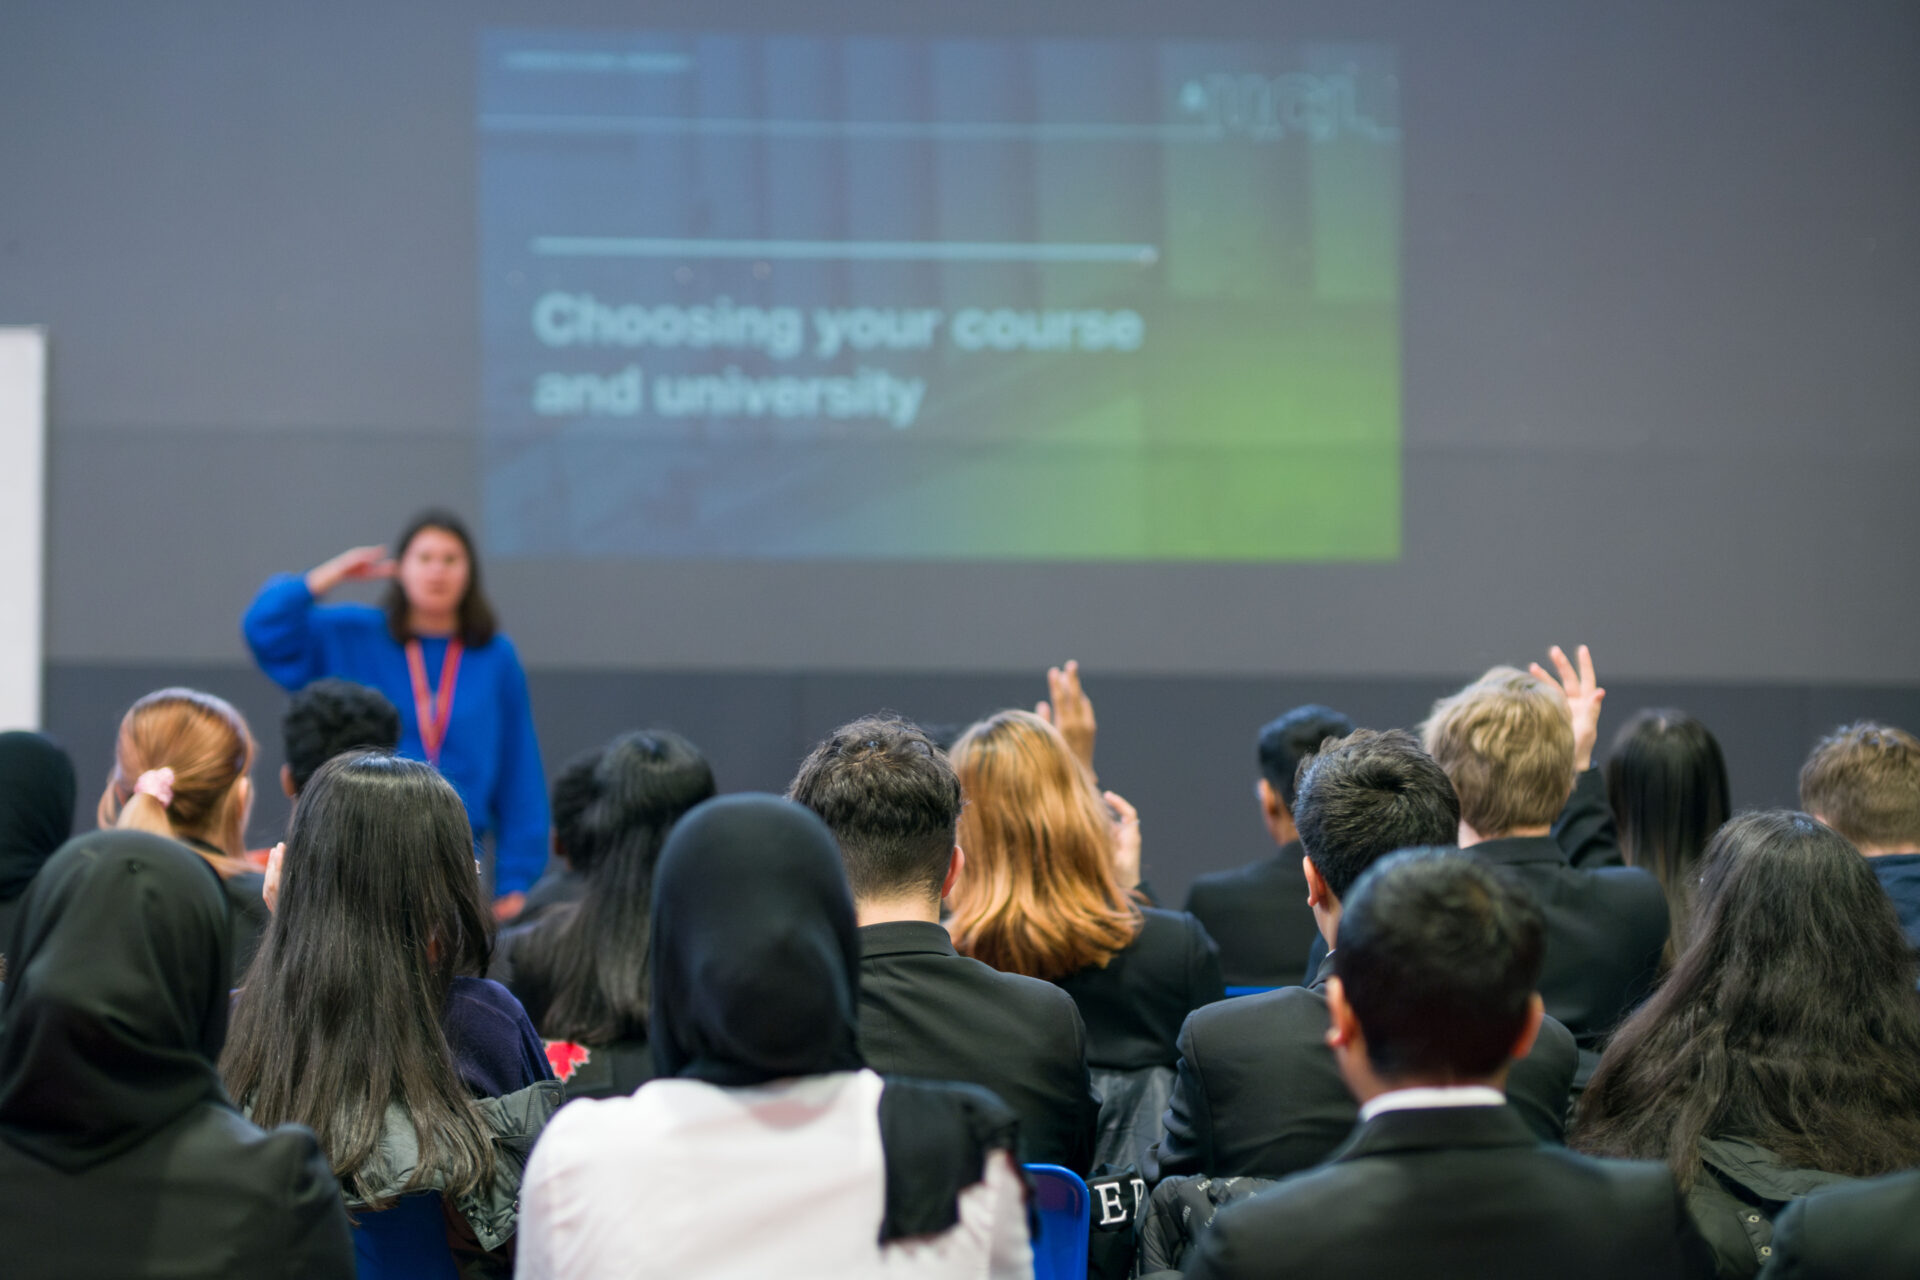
<point x="1458" y="1193"/>
<point x="1858" y="1231"/>
<point x="209" y="1195"/>
<point x="1605" y="931"/>
<point x="1258" y="914"/>
<point x="1134" y="1007"/>
<point x="1258" y="1093"/>
<point x="929" y="1013"/>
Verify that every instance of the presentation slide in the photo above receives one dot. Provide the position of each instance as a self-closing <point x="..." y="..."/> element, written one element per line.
<point x="755" y="297"/>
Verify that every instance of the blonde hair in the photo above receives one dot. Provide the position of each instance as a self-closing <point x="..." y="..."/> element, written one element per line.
<point x="209" y="748"/>
<point x="1506" y="742"/>
<point x="1038" y="895"/>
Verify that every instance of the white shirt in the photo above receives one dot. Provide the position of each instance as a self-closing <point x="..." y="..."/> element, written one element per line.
<point x="1419" y="1099"/>
<point x="697" y="1182"/>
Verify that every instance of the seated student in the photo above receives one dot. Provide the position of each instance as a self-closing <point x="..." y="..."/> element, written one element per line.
<point x="1507" y="742"/>
<point x="1433" y="998"/>
<point x="330" y="717"/>
<point x="581" y="970"/>
<point x="1258" y="1091"/>
<point x="1864" y="782"/>
<point x="1258" y="913"/>
<point x="891" y="800"/>
<point x="36" y="817"/>
<point x="765" y="1148"/>
<point x="1667" y="784"/>
<point x="120" y="1154"/>
<point x="1782" y="1052"/>
<point x="180" y="768"/>
<point x="363" y="1018"/>
<point x="1859" y="1231"/>
<point x="573" y="791"/>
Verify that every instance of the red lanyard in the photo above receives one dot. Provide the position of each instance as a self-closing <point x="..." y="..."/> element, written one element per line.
<point x="433" y="712"/>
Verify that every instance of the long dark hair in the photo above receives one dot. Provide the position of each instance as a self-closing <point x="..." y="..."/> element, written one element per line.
<point x="584" y="969"/>
<point x="1790" y="1020"/>
<point x="477" y="623"/>
<point x="1667" y="783"/>
<point x="339" y="1014"/>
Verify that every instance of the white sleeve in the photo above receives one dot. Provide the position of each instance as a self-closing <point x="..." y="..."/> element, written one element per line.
<point x="533" y="1256"/>
<point x="1011" y="1255"/>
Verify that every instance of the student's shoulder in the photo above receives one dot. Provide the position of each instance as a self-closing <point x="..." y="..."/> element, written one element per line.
<point x="1266" y="1016"/>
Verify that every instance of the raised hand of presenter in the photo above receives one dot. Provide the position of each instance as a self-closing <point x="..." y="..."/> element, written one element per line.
<point x="433" y="647"/>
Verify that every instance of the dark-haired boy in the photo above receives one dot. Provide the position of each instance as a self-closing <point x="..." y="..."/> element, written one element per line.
<point x="1432" y="1000"/>
<point x="892" y="802"/>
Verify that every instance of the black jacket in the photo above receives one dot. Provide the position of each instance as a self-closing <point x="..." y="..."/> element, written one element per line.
<point x="1133" y="1007"/>
<point x="1862" y="1231"/>
<point x="1457" y="1192"/>
<point x="1258" y="1093"/>
<point x="1258" y="914"/>
<point x="1605" y="931"/>
<point x="930" y="1013"/>
<point x="210" y="1195"/>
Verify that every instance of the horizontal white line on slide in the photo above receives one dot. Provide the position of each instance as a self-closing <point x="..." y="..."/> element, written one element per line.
<point x="845" y="250"/>
<point x="938" y="130"/>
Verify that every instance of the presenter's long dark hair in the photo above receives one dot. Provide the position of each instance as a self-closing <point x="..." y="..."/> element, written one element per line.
<point x="339" y="1015"/>
<point x="477" y="622"/>
<point x="1790" y="1020"/>
<point x="582" y="971"/>
<point x="1667" y="783"/>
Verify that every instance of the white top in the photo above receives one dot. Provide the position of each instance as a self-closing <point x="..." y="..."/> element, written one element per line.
<point x="1419" y="1099"/>
<point x="785" y="1180"/>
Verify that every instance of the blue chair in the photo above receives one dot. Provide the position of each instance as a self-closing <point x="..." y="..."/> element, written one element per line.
<point x="1066" y="1212"/>
<point x="406" y="1241"/>
<point x="1247" y="991"/>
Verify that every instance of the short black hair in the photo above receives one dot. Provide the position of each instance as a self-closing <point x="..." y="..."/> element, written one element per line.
<point x="574" y="789"/>
<point x="1366" y="795"/>
<point x="1285" y="742"/>
<point x="332" y="716"/>
<point x="1440" y="956"/>
<point x="892" y="801"/>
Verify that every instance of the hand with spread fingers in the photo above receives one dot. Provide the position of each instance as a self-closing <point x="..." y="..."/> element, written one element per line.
<point x="1584" y="696"/>
<point x="1070" y="710"/>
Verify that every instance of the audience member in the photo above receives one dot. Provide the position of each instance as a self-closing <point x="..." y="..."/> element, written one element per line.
<point x="1434" y="996"/>
<point x="1508" y="744"/>
<point x="1257" y="913"/>
<point x="329" y="717"/>
<point x="181" y="768"/>
<point x="581" y="971"/>
<point x="574" y="789"/>
<point x="362" y="1019"/>
<point x="36" y="817"/>
<point x="892" y="802"/>
<point x="1857" y="1231"/>
<point x="1864" y="782"/>
<point x="1667" y="786"/>
<point x="1784" y="1048"/>
<point x="1258" y="1091"/>
<point x="767" y="1148"/>
<point x="120" y="1154"/>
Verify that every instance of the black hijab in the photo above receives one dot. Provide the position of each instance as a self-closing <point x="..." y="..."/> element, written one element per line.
<point x="36" y="808"/>
<point x="117" y="1007"/>
<point x="755" y="956"/>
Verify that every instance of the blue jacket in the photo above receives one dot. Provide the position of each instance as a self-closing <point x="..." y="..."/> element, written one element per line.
<point x="491" y="755"/>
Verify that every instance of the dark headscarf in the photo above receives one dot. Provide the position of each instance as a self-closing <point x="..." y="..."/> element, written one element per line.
<point x="36" y="808"/>
<point x="755" y="955"/>
<point x="117" y="1006"/>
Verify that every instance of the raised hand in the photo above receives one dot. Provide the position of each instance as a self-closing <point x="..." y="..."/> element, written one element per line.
<point x="356" y="565"/>
<point x="1126" y="840"/>
<point x="1584" y="696"/>
<point x="1070" y="710"/>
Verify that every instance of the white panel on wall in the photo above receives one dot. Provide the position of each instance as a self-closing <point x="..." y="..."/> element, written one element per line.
<point x="23" y="498"/>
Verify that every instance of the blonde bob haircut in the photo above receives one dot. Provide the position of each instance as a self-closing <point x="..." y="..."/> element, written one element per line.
<point x="1506" y="742"/>
<point x="1038" y="894"/>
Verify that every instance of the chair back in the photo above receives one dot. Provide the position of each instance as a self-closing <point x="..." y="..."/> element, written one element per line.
<point x="405" y="1241"/>
<point x="1065" y="1213"/>
<point x="1248" y="991"/>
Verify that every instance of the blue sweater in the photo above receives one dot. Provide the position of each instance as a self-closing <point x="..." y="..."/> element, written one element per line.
<point x="490" y="756"/>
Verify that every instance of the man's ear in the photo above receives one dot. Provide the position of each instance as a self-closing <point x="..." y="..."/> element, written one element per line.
<point x="286" y="781"/>
<point x="1318" y="894"/>
<point x="954" y="866"/>
<point x="1270" y="804"/>
<point x="1343" y="1029"/>
<point x="1536" y="1013"/>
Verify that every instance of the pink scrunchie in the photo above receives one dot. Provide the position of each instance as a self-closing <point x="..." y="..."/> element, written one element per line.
<point x="157" y="783"/>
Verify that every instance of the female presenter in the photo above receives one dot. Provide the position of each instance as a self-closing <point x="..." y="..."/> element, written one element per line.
<point x="433" y="649"/>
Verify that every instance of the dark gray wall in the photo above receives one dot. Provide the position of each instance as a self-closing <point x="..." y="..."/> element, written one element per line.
<point x="1181" y="749"/>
